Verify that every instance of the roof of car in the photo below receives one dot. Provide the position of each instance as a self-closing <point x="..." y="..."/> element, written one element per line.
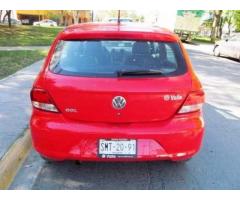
<point x="136" y="31"/>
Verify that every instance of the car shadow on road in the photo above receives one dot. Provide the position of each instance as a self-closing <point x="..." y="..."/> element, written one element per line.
<point x="215" y="167"/>
<point x="100" y="176"/>
<point x="218" y="67"/>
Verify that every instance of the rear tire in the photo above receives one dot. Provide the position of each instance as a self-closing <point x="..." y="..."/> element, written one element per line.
<point x="48" y="160"/>
<point x="181" y="161"/>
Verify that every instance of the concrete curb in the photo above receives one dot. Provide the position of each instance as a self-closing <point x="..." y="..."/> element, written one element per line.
<point x="13" y="159"/>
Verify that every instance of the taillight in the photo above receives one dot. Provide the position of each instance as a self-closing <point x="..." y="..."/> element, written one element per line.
<point x="42" y="100"/>
<point x="193" y="102"/>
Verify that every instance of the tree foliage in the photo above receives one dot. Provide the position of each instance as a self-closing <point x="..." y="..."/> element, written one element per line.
<point x="237" y="20"/>
<point x="232" y="19"/>
<point x="197" y="13"/>
<point x="219" y="18"/>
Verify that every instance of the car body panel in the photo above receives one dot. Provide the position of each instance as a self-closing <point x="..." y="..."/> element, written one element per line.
<point x="45" y="22"/>
<point x="148" y="99"/>
<point x="111" y="31"/>
<point x="56" y="137"/>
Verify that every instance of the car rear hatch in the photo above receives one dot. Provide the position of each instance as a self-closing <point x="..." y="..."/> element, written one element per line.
<point x="90" y="99"/>
<point x="85" y="76"/>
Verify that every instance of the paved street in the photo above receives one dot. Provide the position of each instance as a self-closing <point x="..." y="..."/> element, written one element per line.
<point x="215" y="167"/>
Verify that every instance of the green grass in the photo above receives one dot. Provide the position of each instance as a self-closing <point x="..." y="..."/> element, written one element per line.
<point x="12" y="61"/>
<point x="202" y="39"/>
<point x="27" y="35"/>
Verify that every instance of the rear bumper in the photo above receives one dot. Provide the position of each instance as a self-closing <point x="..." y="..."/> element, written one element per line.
<point x="57" y="138"/>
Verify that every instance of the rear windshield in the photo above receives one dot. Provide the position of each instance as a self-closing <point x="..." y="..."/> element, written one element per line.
<point x="105" y="58"/>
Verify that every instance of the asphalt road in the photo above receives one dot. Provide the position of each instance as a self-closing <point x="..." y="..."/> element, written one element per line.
<point x="217" y="166"/>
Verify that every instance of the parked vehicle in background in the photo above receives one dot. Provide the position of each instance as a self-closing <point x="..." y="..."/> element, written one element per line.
<point x="188" y="23"/>
<point x="45" y="22"/>
<point x="113" y="92"/>
<point x="25" y="21"/>
<point x="122" y="20"/>
<point x="13" y="21"/>
<point x="229" y="47"/>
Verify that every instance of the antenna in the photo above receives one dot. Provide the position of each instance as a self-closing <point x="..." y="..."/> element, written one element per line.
<point x="119" y="16"/>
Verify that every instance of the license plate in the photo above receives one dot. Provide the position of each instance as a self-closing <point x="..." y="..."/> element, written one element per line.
<point x="117" y="148"/>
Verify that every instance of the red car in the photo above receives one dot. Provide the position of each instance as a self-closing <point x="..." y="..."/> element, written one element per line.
<point x="110" y="92"/>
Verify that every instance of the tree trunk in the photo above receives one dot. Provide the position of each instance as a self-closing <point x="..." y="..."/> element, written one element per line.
<point x="229" y="25"/>
<point x="0" y="16"/>
<point x="219" y="35"/>
<point x="9" y="18"/>
<point x="213" y="31"/>
<point x="216" y="24"/>
<point x="62" y="19"/>
<point x="4" y="17"/>
<point x="76" y="15"/>
<point x="229" y="29"/>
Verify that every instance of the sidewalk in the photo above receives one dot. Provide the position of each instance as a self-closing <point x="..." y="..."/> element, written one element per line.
<point x="15" y="105"/>
<point x="20" y="48"/>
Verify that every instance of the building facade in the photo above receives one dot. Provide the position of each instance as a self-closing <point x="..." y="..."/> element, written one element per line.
<point x="62" y="17"/>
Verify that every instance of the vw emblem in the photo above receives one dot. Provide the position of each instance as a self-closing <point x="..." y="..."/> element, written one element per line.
<point x="119" y="102"/>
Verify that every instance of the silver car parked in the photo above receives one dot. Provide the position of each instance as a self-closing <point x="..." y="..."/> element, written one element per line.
<point x="229" y="47"/>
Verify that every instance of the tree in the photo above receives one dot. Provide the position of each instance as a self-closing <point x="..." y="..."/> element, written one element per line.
<point x="228" y="18"/>
<point x="8" y="15"/>
<point x="1" y="11"/>
<point x="63" y="17"/>
<point x="216" y="25"/>
<point x="237" y="20"/>
<point x="75" y="14"/>
<point x="54" y="15"/>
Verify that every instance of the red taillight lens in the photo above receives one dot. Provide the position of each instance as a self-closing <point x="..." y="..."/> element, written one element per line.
<point x="42" y="100"/>
<point x="193" y="102"/>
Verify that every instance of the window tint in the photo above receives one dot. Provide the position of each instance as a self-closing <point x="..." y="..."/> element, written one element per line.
<point x="170" y="54"/>
<point x="108" y="57"/>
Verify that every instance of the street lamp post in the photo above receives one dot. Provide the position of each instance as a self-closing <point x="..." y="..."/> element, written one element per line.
<point x="119" y="16"/>
<point x="92" y="16"/>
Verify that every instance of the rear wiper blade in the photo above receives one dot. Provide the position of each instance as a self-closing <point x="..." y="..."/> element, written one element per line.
<point x="139" y="72"/>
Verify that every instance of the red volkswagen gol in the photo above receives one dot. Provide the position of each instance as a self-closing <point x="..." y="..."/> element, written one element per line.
<point x="110" y="92"/>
